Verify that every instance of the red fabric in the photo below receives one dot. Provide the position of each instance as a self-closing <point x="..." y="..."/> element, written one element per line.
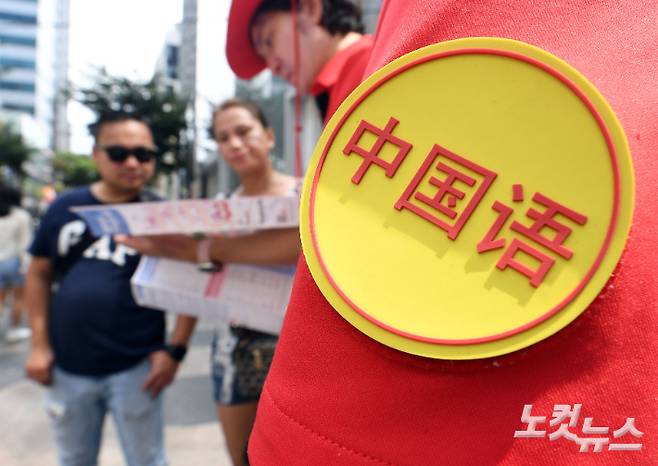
<point x="336" y="397"/>
<point x="343" y="72"/>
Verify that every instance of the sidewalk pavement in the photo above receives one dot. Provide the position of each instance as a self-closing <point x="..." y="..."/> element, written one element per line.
<point x="193" y="435"/>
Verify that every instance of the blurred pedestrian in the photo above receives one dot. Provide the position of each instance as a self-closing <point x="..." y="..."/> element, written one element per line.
<point x="94" y="347"/>
<point x="15" y="236"/>
<point x="241" y="356"/>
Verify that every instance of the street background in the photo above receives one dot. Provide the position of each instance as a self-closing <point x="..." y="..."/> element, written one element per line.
<point x="193" y="435"/>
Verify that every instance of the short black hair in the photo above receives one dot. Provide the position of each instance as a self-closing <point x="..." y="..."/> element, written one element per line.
<point x="9" y="197"/>
<point x="338" y="16"/>
<point x="115" y="117"/>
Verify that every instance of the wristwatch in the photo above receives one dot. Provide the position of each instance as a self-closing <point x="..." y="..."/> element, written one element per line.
<point x="203" y="254"/>
<point x="177" y="352"/>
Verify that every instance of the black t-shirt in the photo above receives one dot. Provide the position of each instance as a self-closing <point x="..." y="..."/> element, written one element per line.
<point x="95" y="326"/>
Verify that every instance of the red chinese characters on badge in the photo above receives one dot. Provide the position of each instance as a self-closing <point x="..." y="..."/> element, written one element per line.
<point x="446" y="190"/>
<point x="372" y="156"/>
<point x="543" y="221"/>
<point x="442" y="206"/>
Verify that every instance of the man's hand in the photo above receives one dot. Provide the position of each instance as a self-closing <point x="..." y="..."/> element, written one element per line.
<point x="179" y="247"/>
<point x="39" y="365"/>
<point x="163" y="371"/>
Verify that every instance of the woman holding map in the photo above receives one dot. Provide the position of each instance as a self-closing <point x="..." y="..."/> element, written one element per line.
<point x="241" y="357"/>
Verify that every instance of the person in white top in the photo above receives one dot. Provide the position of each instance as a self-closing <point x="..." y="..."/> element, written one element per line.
<point x="15" y="237"/>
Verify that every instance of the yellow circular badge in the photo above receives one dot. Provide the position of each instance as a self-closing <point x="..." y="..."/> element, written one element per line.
<point x="467" y="200"/>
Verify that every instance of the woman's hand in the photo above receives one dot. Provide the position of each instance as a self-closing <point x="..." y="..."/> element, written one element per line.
<point x="179" y="247"/>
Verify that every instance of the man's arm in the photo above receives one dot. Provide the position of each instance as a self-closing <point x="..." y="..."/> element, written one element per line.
<point x="183" y="330"/>
<point x="163" y="366"/>
<point x="37" y="297"/>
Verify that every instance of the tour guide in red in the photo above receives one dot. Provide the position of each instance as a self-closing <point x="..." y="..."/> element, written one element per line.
<point x="334" y="396"/>
<point x="333" y="52"/>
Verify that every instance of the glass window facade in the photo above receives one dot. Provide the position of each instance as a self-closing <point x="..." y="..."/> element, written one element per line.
<point x="17" y="86"/>
<point x="15" y="40"/>
<point x="17" y="18"/>
<point x="18" y="108"/>
<point x="10" y="62"/>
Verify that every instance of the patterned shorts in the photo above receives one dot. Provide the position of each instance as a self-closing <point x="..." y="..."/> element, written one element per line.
<point x="240" y="361"/>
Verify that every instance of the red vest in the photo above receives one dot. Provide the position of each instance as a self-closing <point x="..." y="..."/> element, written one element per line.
<point x="336" y="397"/>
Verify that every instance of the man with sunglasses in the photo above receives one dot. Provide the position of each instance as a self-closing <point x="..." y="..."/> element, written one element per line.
<point x="94" y="347"/>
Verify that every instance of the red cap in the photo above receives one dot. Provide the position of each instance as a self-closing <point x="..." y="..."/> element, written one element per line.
<point x="240" y="52"/>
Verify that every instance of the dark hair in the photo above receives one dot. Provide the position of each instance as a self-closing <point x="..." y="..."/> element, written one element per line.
<point x="114" y="117"/>
<point x="9" y="197"/>
<point x="252" y="107"/>
<point x="338" y="16"/>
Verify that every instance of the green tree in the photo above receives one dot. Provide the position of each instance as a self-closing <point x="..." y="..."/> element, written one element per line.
<point x="159" y="104"/>
<point x="71" y="170"/>
<point x="14" y="151"/>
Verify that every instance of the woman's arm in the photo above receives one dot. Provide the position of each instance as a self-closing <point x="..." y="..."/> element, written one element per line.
<point x="268" y="247"/>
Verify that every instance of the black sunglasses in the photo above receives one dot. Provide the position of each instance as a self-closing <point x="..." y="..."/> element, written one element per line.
<point x="120" y="154"/>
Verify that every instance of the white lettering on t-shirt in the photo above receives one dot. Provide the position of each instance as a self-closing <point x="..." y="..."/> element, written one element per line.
<point x="70" y="235"/>
<point x="120" y="253"/>
<point x="102" y="250"/>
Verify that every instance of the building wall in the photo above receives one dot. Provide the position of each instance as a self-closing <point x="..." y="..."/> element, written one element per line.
<point x="188" y="47"/>
<point x="206" y="78"/>
<point x="34" y="65"/>
<point x="370" y="10"/>
<point x="18" y="55"/>
<point x="61" y="129"/>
